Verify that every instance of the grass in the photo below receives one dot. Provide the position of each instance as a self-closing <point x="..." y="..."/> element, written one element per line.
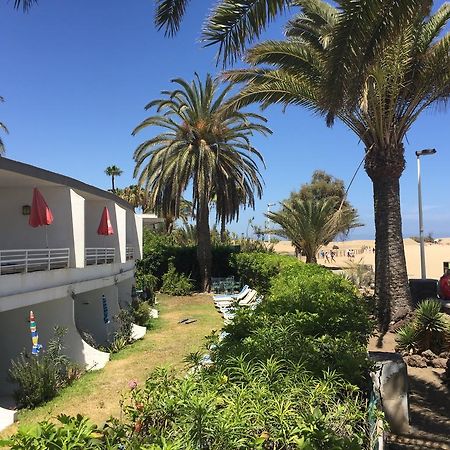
<point x="98" y="394"/>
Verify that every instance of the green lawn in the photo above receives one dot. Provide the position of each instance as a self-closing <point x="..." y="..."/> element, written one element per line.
<point x="97" y="394"/>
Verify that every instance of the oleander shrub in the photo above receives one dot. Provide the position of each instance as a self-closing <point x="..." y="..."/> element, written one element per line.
<point x="258" y="269"/>
<point x="309" y="315"/>
<point x="175" y="283"/>
<point x="272" y="404"/>
<point x="40" y="377"/>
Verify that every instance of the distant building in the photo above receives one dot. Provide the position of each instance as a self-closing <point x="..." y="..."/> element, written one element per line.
<point x="63" y="284"/>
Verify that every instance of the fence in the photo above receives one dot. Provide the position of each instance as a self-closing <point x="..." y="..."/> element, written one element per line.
<point x="32" y="260"/>
<point x="95" y="256"/>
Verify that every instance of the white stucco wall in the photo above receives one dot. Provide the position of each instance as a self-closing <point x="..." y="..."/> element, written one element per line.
<point x="140" y="238"/>
<point x="93" y="214"/>
<point x="121" y="232"/>
<point x="15" y="336"/>
<point x="133" y="238"/>
<point x="16" y="233"/>
<point x="124" y="292"/>
<point x="89" y="313"/>
<point x="77" y="255"/>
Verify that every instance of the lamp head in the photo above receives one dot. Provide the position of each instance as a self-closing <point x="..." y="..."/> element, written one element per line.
<point x="426" y="151"/>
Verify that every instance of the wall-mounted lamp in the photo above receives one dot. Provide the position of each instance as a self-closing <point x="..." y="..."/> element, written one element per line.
<point x="26" y="210"/>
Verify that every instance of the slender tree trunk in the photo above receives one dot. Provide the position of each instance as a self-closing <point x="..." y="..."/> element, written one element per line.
<point x="311" y="258"/>
<point x="113" y="184"/>
<point x="223" y="230"/>
<point x="392" y="295"/>
<point x="204" y="254"/>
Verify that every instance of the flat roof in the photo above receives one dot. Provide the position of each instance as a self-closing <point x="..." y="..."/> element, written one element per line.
<point x="55" y="178"/>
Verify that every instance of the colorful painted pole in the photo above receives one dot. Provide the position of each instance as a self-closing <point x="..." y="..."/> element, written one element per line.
<point x="34" y="336"/>
<point x="105" y="309"/>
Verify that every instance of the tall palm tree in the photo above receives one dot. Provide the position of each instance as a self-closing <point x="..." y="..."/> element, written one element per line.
<point x="309" y="224"/>
<point x="205" y="145"/>
<point x="135" y="196"/>
<point x="2" y="128"/>
<point x="113" y="172"/>
<point x="373" y="65"/>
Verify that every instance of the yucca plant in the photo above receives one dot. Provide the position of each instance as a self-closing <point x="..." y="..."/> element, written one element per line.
<point x="431" y="324"/>
<point x="408" y="338"/>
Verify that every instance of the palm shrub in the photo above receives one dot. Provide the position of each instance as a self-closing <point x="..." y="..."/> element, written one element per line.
<point x="427" y="330"/>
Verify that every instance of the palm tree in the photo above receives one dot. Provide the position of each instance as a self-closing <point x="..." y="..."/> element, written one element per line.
<point x="205" y="145"/>
<point x="113" y="172"/>
<point x="375" y="66"/>
<point x="3" y="128"/>
<point x="135" y="196"/>
<point x="309" y="224"/>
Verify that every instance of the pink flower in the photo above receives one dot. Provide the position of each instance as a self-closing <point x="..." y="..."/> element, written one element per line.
<point x="132" y="384"/>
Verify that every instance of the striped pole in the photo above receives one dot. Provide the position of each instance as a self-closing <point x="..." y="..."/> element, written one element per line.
<point x="34" y="336"/>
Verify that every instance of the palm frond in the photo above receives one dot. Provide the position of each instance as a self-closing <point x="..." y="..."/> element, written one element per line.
<point x="232" y="25"/>
<point x="169" y="14"/>
<point x="24" y="4"/>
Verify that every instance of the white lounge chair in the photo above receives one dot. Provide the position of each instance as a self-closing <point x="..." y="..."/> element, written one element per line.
<point x="226" y="297"/>
<point x="235" y="301"/>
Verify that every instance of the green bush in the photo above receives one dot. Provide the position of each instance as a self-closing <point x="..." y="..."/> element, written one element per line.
<point x="258" y="269"/>
<point x="174" y="283"/>
<point x="147" y="282"/>
<point x="310" y="315"/>
<point x="40" y="377"/>
<point x="272" y="404"/>
<point x="141" y="314"/>
<point x="74" y="433"/>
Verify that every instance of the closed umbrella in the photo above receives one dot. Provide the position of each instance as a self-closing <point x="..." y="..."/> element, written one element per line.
<point x="34" y="336"/>
<point x="105" y="228"/>
<point x="41" y="214"/>
<point x="105" y="310"/>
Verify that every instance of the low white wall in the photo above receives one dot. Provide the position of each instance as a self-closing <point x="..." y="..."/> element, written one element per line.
<point x="15" y="336"/>
<point x="124" y="290"/>
<point x="89" y="313"/>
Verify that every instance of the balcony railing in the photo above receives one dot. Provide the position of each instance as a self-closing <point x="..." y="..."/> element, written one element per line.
<point x="33" y="260"/>
<point x="130" y="253"/>
<point x="95" y="256"/>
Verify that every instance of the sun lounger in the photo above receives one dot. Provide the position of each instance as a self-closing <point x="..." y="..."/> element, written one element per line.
<point x="228" y="297"/>
<point x="248" y="299"/>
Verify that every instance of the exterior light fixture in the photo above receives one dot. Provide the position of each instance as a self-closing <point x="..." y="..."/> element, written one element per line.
<point x="26" y="210"/>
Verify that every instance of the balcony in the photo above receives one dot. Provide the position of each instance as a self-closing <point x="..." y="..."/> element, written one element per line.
<point x="33" y="260"/>
<point x="97" y="255"/>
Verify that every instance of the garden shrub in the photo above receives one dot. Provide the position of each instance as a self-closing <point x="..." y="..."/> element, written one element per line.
<point x="268" y="404"/>
<point x="73" y="433"/>
<point x="310" y="315"/>
<point x="147" y="282"/>
<point x="258" y="269"/>
<point x="174" y="283"/>
<point x="141" y="314"/>
<point x="40" y="377"/>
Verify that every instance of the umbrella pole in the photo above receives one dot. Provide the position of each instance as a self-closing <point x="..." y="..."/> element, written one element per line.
<point x="46" y="235"/>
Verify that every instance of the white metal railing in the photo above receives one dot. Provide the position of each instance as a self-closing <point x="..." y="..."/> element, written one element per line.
<point x="94" y="256"/>
<point x="130" y="253"/>
<point x="33" y="260"/>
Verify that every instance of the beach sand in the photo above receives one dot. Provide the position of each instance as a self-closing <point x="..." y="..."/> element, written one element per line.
<point x="435" y="255"/>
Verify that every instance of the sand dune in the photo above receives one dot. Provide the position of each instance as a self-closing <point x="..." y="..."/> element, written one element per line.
<point x="435" y="254"/>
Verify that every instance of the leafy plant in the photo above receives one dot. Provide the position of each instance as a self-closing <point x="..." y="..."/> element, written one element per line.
<point x="361" y="275"/>
<point x="175" y="283"/>
<point x="427" y="330"/>
<point x="74" y="433"/>
<point x="40" y="377"/>
<point x="141" y="314"/>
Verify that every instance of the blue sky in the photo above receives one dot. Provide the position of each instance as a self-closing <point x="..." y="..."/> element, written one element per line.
<point x="76" y="75"/>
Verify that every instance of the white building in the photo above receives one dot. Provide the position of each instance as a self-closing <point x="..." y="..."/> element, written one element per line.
<point x="62" y="284"/>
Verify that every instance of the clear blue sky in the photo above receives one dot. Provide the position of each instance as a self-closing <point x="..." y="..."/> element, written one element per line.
<point x="76" y="75"/>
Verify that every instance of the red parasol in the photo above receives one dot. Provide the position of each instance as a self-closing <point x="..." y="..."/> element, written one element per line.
<point x="40" y="212"/>
<point x="105" y="228"/>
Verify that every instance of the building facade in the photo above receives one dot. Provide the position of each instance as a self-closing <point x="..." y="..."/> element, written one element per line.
<point x="66" y="273"/>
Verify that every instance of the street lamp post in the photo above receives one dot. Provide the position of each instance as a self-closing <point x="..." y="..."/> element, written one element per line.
<point x="425" y="152"/>
<point x="268" y="221"/>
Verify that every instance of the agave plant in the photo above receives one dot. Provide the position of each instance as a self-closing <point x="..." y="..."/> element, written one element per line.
<point x="408" y="338"/>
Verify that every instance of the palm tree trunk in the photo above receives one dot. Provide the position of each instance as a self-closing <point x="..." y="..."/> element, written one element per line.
<point x="392" y="294"/>
<point x="223" y="230"/>
<point x="112" y="184"/>
<point x="204" y="254"/>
